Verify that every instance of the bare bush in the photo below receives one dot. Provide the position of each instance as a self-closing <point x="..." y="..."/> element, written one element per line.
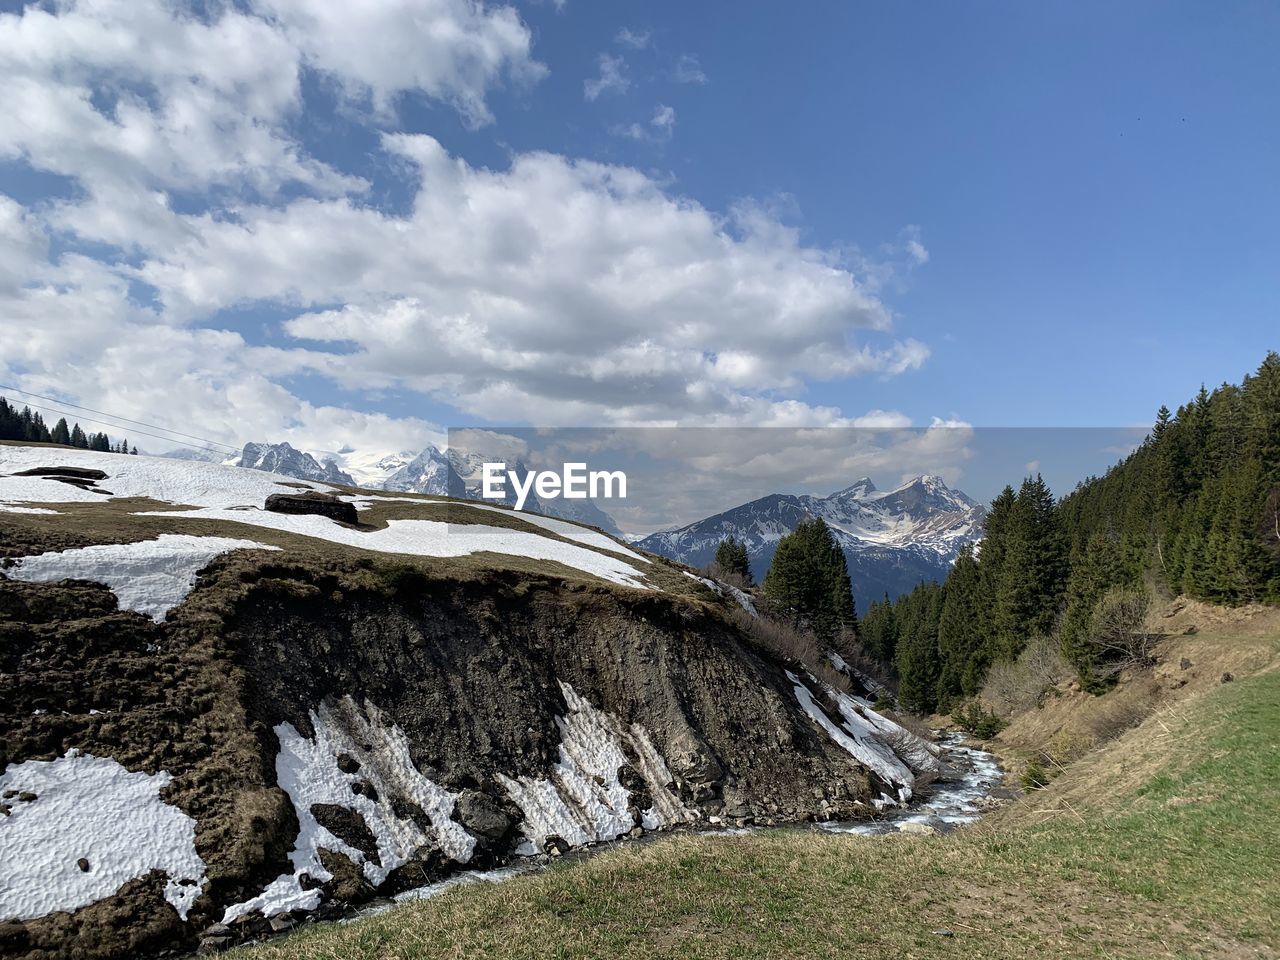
<point x="1022" y="684"/>
<point x="1117" y="628"/>
<point x="859" y="659"/>
<point x="731" y="577"/>
<point x="791" y="643"/>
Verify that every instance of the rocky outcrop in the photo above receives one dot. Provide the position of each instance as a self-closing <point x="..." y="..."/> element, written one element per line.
<point x="331" y="732"/>
<point x="312" y="504"/>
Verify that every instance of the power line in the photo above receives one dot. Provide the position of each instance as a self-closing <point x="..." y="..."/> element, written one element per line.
<point x="140" y="423"/>
<point x="115" y="426"/>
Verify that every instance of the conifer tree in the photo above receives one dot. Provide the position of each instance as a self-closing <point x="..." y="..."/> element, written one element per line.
<point x="808" y="581"/>
<point x="732" y="558"/>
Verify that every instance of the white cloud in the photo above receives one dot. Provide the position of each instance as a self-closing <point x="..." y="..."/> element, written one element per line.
<point x="635" y="39"/>
<point x="555" y="290"/>
<point x="661" y="126"/>
<point x="451" y="50"/>
<point x="612" y="79"/>
<point x="688" y="69"/>
<point x="569" y="291"/>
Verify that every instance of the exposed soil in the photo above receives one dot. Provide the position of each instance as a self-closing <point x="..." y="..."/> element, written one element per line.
<point x="468" y="665"/>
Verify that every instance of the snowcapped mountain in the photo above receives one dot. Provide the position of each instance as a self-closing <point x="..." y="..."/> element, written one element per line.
<point x="427" y="472"/>
<point x="891" y="540"/>
<point x="430" y="472"/>
<point x="367" y="469"/>
<point x="283" y="459"/>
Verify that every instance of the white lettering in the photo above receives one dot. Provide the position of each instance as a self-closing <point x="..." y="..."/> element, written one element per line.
<point x="572" y="483"/>
<point x="575" y="481"/>
<point x="495" y="483"/>
<point x="608" y="478"/>
<point x="522" y="492"/>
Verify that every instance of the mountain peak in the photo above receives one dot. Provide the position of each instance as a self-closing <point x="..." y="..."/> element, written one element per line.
<point x="856" y="490"/>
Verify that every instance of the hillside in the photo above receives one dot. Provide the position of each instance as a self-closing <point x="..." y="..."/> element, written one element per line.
<point x="218" y="713"/>
<point x="1159" y="842"/>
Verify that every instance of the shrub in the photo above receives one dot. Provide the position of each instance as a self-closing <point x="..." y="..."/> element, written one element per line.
<point x="977" y="721"/>
<point x="1035" y="776"/>
<point x="790" y="642"/>
<point x="1116" y="629"/>
<point x="1022" y="684"/>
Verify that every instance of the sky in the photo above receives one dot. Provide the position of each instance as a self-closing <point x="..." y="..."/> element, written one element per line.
<point x="360" y="225"/>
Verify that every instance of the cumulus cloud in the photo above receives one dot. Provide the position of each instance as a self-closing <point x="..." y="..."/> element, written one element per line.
<point x="688" y="69"/>
<point x="635" y="39"/>
<point x="451" y="50"/>
<point x="612" y="79"/>
<point x="554" y="289"/>
<point x="661" y="126"/>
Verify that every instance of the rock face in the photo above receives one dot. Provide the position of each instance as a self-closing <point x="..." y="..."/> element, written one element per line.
<point x="314" y="504"/>
<point x="336" y="731"/>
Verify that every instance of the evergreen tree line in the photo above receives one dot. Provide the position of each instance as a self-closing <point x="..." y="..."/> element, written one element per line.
<point x="1194" y="509"/>
<point x="28" y="425"/>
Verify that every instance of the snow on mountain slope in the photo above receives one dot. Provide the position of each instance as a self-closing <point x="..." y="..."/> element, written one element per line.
<point x="891" y="539"/>
<point x="234" y="497"/>
<point x="432" y="472"/>
<point x="284" y="459"/>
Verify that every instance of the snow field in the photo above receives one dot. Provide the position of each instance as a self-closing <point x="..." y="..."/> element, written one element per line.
<point x="89" y="810"/>
<point x="150" y="576"/>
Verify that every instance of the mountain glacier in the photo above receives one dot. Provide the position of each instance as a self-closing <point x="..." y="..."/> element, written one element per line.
<point x="891" y="539"/>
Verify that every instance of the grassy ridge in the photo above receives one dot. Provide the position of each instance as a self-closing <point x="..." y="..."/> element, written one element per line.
<point x="1180" y="864"/>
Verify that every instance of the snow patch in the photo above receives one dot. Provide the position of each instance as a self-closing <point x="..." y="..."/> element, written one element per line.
<point x="583" y="801"/>
<point x="90" y="808"/>
<point x="170" y="481"/>
<point x="709" y="584"/>
<point x="432" y="538"/>
<point x="743" y="598"/>
<point x="563" y="528"/>
<point x="308" y="771"/>
<point x="860" y="740"/>
<point x="6" y="508"/>
<point x="151" y="576"/>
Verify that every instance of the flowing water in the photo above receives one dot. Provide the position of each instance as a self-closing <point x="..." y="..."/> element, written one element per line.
<point x="949" y="803"/>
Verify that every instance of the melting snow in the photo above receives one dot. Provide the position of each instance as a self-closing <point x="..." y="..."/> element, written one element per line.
<point x="861" y="740"/>
<point x="709" y="584"/>
<point x="151" y="576"/>
<point x="236" y="495"/>
<point x="308" y="771"/>
<point x="583" y="801"/>
<point x="170" y="481"/>
<point x="563" y="528"/>
<point x="433" y="538"/>
<point x="90" y="808"/>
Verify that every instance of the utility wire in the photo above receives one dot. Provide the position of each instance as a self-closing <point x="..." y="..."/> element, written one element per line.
<point x="116" y="426"/>
<point x="140" y="423"/>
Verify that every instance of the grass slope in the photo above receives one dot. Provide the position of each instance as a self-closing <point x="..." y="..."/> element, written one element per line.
<point x="1180" y="863"/>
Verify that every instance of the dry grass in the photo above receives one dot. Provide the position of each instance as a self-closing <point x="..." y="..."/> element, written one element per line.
<point x="790" y="643"/>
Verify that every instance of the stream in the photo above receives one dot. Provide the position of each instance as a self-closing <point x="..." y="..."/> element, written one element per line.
<point x="948" y="804"/>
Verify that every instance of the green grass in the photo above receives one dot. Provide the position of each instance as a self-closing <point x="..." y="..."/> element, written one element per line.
<point x="1182" y="865"/>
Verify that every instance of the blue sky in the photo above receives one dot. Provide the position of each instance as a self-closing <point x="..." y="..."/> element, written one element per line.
<point x="277" y="223"/>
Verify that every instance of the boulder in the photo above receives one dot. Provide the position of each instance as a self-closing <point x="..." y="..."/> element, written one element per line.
<point x="312" y="504"/>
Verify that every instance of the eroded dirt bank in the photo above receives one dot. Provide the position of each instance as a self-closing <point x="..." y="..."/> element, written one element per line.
<point x="330" y="732"/>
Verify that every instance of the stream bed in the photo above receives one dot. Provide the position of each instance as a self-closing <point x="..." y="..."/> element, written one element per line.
<point x="944" y="805"/>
